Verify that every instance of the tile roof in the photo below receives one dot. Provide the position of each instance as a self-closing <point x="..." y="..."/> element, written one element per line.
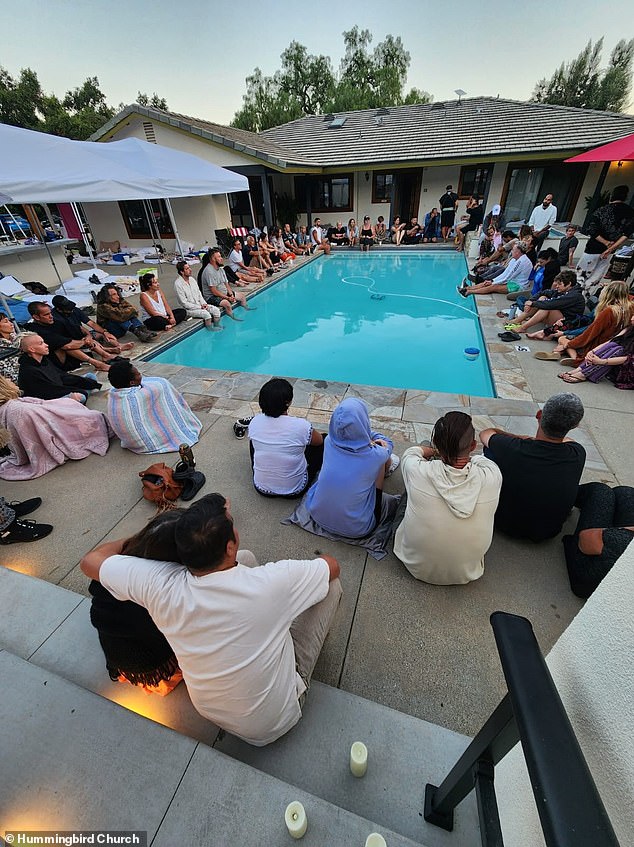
<point x="479" y="127"/>
<point x="249" y="143"/>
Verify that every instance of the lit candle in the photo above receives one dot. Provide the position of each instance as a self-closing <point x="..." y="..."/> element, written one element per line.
<point x="374" y="839"/>
<point x="295" y="819"/>
<point x="358" y="759"/>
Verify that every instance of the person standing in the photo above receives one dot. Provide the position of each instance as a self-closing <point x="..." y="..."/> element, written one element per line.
<point x="609" y="227"/>
<point x="567" y="246"/>
<point x="541" y="219"/>
<point x="448" y="205"/>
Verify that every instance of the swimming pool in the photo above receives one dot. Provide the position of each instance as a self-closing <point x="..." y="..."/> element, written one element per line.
<point x="379" y="318"/>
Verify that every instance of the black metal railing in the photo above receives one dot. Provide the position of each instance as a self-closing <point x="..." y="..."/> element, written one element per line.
<point x="570" y="809"/>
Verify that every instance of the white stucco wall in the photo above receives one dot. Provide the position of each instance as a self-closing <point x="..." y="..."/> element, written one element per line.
<point x="593" y="668"/>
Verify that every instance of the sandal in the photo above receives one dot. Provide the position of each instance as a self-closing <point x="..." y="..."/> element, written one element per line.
<point x="547" y="357"/>
<point x="568" y="377"/>
<point x="569" y="361"/>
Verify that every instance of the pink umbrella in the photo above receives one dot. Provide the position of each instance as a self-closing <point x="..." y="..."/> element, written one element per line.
<point x="621" y="150"/>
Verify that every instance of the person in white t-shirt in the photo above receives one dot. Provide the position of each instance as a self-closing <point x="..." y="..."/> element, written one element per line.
<point x="247" y="638"/>
<point x="244" y="275"/>
<point x="541" y="219"/>
<point x="286" y="452"/>
<point x="317" y="238"/>
<point x="450" y="505"/>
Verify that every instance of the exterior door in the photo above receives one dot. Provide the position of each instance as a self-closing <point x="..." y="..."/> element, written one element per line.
<point x="405" y="194"/>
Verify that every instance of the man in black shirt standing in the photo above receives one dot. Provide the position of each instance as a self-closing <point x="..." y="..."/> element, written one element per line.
<point x="448" y="204"/>
<point x="609" y="227"/>
<point x="540" y="475"/>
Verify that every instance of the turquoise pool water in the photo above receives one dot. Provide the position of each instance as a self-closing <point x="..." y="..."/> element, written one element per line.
<point x="378" y="318"/>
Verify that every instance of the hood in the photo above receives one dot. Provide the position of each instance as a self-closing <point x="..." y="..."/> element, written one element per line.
<point x="349" y="427"/>
<point x="459" y="487"/>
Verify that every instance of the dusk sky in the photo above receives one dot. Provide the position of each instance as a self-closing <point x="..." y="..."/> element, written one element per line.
<point x="197" y="53"/>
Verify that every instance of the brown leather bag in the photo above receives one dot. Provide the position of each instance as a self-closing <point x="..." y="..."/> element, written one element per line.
<point x="159" y="485"/>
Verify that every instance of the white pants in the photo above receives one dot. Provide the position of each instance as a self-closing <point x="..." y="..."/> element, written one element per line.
<point x="205" y="314"/>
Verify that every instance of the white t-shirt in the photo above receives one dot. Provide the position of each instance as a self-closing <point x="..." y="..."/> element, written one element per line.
<point x="279" y="463"/>
<point x="315" y="235"/>
<point x="235" y="258"/>
<point x="448" y="523"/>
<point x="541" y="217"/>
<point x="230" y="631"/>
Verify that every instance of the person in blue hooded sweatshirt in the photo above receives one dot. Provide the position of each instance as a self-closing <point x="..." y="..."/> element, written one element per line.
<point x="347" y="499"/>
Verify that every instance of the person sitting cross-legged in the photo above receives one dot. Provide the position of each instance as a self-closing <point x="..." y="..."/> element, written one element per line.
<point x="156" y="312"/>
<point x="286" y="452"/>
<point x="246" y="637"/>
<point x="39" y="377"/>
<point x="78" y="324"/>
<point x="191" y="299"/>
<point x="540" y="475"/>
<point x="147" y="413"/>
<point x="215" y="285"/>
<point x="449" y="505"/>
<point x="118" y="316"/>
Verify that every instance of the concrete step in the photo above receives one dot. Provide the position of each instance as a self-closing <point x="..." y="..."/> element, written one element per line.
<point x="50" y="627"/>
<point x="404" y="753"/>
<point x="74" y="761"/>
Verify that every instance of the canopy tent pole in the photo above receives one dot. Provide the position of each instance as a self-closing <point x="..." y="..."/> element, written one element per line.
<point x="7" y="229"/>
<point x="170" y="212"/>
<point x="84" y="234"/>
<point x="252" y="211"/>
<point x="155" y="235"/>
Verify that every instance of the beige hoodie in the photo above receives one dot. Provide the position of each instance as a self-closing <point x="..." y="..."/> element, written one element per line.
<point x="448" y="523"/>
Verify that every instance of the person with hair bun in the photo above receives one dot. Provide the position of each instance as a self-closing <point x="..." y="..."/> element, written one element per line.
<point x="449" y="505"/>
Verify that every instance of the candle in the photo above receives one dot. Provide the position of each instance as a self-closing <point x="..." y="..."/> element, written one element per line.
<point x="374" y="839"/>
<point x="358" y="759"/>
<point x="295" y="819"/>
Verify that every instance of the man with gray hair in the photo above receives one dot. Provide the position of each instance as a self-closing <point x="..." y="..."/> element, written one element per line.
<point x="540" y="475"/>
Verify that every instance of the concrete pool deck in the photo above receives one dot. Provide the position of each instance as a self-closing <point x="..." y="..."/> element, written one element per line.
<point x="424" y="650"/>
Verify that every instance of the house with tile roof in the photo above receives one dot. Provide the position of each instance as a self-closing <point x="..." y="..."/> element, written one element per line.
<point x="377" y="161"/>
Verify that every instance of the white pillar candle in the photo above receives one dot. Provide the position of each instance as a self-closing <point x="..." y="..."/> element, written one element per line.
<point x="295" y="819"/>
<point x="374" y="839"/>
<point x="358" y="759"/>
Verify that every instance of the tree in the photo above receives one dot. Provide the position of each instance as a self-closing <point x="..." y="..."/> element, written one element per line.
<point x="154" y="102"/>
<point x="306" y="84"/>
<point x="20" y="99"/>
<point x="583" y="84"/>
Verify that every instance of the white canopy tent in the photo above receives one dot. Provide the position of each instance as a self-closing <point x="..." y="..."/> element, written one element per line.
<point x="40" y="168"/>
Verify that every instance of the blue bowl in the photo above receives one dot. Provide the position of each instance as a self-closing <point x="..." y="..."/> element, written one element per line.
<point x="471" y="353"/>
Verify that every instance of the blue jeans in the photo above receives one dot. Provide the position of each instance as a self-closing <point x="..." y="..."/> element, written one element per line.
<point x="119" y="328"/>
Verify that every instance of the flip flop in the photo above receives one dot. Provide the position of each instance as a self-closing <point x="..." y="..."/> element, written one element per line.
<point x="570" y="362"/>
<point x="509" y="336"/>
<point x="547" y="357"/>
<point x="568" y="377"/>
<point x="512" y="327"/>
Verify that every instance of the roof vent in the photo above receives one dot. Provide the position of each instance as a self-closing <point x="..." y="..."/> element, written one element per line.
<point x="337" y="123"/>
<point x="378" y="120"/>
<point x="328" y="118"/>
<point x="382" y="111"/>
<point x="148" y="129"/>
<point x="438" y="106"/>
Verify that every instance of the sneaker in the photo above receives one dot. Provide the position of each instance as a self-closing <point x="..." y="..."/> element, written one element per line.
<point x="26" y="506"/>
<point x="239" y="430"/>
<point x="244" y="421"/>
<point x="394" y="463"/>
<point x="24" y="531"/>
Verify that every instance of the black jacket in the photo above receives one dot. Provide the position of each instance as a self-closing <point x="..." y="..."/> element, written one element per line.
<point x="44" y="380"/>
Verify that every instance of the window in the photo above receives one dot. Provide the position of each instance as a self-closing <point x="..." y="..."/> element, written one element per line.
<point x="381" y="188"/>
<point x="135" y="216"/>
<point x="474" y="179"/>
<point x="327" y="193"/>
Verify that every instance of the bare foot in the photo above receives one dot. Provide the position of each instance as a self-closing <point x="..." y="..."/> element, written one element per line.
<point x="101" y="366"/>
<point x="128" y="346"/>
<point x="536" y="335"/>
